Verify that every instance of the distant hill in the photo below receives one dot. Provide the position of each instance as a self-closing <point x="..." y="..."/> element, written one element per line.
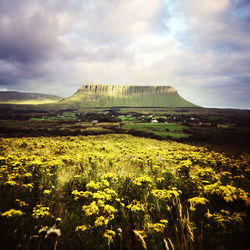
<point x="15" y="97"/>
<point x="102" y="95"/>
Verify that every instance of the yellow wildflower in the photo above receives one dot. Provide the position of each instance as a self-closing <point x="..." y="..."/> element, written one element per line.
<point x="100" y="221"/>
<point x="39" y="211"/>
<point x="157" y="227"/>
<point x="91" y="209"/>
<point x="135" y="206"/>
<point x="81" y="228"/>
<point x="12" y="213"/>
<point x="47" y="191"/>
<point x="109" y="235"/>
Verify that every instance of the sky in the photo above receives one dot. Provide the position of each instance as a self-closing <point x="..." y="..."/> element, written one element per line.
<point x="200" y="47"/>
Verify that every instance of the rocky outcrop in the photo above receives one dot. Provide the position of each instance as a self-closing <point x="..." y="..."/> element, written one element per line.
<point x="125" y="89"/>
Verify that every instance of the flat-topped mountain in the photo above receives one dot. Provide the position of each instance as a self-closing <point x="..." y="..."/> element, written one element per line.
<point x="16" y="97"/>
<point x="102" y="95"/>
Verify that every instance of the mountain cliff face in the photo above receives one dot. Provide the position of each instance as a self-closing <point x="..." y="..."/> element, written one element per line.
<point x="100" y="95"/>
<point x="124" y="89"/>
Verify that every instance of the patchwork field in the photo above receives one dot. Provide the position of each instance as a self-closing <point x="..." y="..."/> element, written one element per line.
<point x="161" y="129"/>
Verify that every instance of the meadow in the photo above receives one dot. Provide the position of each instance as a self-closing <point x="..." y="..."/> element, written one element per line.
<point x="164" y="130"/>
<point x="121" y="192"/>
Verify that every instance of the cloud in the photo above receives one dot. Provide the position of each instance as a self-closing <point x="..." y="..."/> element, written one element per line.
<point x="215" y="24"/>
<point x="115" y="21"/>
<point x="199" y="47"/>
<point x="28" y="31"/>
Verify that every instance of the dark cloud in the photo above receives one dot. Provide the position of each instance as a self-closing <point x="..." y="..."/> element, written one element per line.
<point x="28" y="31"/>
<point x="30" y="38"/>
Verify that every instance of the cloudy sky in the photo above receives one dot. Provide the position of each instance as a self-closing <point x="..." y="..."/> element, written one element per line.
<point x="200" y="47"/>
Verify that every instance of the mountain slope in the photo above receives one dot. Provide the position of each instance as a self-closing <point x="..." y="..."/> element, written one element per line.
<point x="15" y="97"/>
<point x="98" y="95"/>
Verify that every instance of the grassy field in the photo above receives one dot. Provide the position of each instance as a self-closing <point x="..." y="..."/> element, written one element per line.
<point x="65" y="116"/>
<point x="121" y="192"/>
<point x="127" y="119"/>
<point x="162" y="129"/>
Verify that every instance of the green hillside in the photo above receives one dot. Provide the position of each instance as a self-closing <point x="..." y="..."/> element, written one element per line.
<point x="98" y="95"/>
<point x="15" y="97"/>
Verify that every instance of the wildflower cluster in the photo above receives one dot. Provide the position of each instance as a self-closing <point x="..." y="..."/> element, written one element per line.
<point x="40" y="211"/>
<point x="113" y="189"/>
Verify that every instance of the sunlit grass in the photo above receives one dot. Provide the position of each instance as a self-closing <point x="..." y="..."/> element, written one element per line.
<point x="162" y="129"/>
<point x="31" y="102"/>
